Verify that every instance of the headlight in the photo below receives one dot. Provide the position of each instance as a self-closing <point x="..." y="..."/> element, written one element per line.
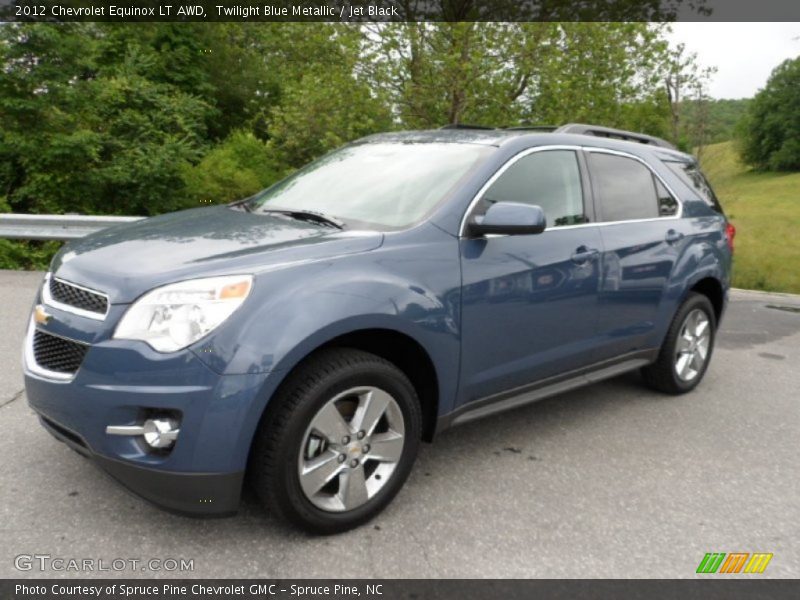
<point x="174" y="316"/>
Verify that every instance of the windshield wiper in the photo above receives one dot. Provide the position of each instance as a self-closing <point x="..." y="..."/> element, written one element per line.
<point x="307" y="215"/>
<point x="243" y="204"/>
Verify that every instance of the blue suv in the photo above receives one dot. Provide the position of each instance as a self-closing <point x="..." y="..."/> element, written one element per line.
<point x="311" y="335"/>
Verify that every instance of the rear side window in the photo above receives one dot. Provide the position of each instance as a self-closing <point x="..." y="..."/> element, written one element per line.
<point x="667" y="205"/>
<point x="625" y="188"/>
<point x="550" y="179"/>
<point x="692" y="176"/>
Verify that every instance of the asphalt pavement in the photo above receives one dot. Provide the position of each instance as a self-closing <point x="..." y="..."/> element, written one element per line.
<point x="612" y="480"/>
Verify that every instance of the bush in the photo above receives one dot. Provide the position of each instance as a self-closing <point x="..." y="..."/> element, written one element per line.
<point x="240" y="166"/>
<point x="18" y="254"/>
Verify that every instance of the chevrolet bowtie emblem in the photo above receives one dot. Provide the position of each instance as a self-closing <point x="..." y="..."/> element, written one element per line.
<point x="40" y="315"/>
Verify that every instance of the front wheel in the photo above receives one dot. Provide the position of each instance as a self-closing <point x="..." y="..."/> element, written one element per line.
<point x="337" y="442"/>
<point x="686" y="351"/>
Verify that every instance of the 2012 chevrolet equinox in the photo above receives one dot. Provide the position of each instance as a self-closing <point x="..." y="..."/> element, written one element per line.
<point x="313" y="334"/>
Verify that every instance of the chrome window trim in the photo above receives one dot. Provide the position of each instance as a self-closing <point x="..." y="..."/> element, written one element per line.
<point x="667" y="187"/>
<point x="32" y="367"/>
<point x="50" y="301"/>
<point x="502" y="169"/>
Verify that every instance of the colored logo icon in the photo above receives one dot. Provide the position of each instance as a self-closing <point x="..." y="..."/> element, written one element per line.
<point x="734" y="562"/>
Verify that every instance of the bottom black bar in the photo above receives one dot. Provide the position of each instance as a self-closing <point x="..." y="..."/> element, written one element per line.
<point x="412" y="589"/>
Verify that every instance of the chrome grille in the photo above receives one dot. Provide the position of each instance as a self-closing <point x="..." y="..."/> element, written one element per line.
<point x="57" y="354"/>
<point x="78" y="297"/>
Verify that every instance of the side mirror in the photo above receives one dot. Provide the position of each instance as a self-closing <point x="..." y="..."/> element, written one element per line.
<point x="509" y="218"/>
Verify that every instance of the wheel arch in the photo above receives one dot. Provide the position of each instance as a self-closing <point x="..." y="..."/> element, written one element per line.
<point x="711" y="288"/>
<point x="408" y="355"/>
<point x="400" y="348"/>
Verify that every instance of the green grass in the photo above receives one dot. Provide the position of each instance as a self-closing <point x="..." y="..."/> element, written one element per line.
<point x="765" y="208"/>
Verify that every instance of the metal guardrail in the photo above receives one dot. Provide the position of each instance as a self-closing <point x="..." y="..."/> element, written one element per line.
<point x="16" y="226"/>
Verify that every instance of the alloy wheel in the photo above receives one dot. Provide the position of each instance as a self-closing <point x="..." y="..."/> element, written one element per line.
<point x="351" y="449"/>
<point x="692" y="347"/>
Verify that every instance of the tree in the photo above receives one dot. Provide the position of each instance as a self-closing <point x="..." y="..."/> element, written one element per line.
<point x="437" y="73"/>
<point x="771" y="128"/>
<point x="82" y="133"/>
<point x="105" y="118"/>
<point x="323" y="101"/>
<point x="686" y="84"/>
<point x="511" y="73"/>
<point x="606" y="73"/>
<point x="112" y="118"/>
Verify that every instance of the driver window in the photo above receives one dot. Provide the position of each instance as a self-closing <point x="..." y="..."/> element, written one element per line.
<point x="550" y="179"/>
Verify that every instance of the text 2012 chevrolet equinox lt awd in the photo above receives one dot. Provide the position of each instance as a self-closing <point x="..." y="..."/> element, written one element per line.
<point x="312" y="335"/>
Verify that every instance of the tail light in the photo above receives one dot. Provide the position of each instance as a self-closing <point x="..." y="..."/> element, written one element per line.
<point x="730" y="233"/>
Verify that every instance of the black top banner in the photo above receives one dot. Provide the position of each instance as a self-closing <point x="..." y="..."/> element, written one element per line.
<point x="397" y="10"/>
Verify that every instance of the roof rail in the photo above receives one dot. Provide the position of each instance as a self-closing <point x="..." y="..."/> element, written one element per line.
<point x="617" y="134"/>
<point x="545" y="128"/>
<point x="465" y="126"/>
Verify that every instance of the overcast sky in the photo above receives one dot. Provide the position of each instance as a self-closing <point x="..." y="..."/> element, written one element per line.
<point x="744" y="53"/>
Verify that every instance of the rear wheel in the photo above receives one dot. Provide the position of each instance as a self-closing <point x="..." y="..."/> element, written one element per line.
<point x="687" y="348"/>
<point x="338" y="441"/>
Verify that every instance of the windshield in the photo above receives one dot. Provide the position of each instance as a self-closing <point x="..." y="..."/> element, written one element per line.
<point x="383" y="184"/>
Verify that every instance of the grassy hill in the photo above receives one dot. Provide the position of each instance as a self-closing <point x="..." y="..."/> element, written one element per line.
<point x="765" y="208"/>
<point x="719" y="118"/>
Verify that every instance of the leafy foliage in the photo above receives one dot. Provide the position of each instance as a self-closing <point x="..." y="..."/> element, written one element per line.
<point x="109" y="118"/>
<point x="82" y="134"/>
<point x="721" y="119"/>
<point x="685" y="84"/>
<point x="516" y="73"/>
<point x="323" y="103"/>
<point x="236" y="168"/>
<point x="771" y="129"/>
<point x="26" y="255"/>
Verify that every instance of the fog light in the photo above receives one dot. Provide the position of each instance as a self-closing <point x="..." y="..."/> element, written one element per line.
<point x="158" y="433"/>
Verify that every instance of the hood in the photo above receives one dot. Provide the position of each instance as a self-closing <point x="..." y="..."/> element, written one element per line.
<point x="126" y="260"/>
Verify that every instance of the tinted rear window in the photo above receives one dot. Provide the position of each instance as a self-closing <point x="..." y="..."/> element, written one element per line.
<point x="625" y="187"/>
<point x="692" y="176"/>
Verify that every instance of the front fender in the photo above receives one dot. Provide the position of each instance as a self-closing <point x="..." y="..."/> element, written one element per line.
<point x="413" y="289"/>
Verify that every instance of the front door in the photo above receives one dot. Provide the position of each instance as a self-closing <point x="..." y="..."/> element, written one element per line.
<point x="528" y="301"/>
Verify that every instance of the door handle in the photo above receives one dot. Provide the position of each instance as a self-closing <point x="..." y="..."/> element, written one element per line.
<point x="584" y="254"/>
<point x="673" y="237"/>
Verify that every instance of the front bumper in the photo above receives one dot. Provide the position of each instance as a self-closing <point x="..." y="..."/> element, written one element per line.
<point x="119" y="383"/>
<point x="193" y="494"/>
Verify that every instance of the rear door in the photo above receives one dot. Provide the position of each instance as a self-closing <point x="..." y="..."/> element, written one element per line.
<point x="642" y="234"/>
<point x="528" y="301"/>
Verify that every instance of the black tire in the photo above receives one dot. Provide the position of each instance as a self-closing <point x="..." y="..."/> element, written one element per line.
<point x="281" y="433"/>
<point x="662" y="375"/>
